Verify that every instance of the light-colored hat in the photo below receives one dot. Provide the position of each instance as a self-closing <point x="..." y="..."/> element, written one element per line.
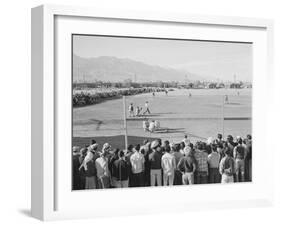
<point x="106" y="146"/>
<point x="154" y="144"/>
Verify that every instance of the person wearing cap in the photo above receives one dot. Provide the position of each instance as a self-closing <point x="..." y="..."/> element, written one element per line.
<point x="213" y="162"/>
<point x="239" y="154"/>
<point x="168" y="163"/>
<point x="137" y="164"/>
<point x="121" y="170"/>
<point x="201" y="157"/>
<point x="103" y="175"/>
<point x="155" y="164"/>
<point x="227" y="167"/>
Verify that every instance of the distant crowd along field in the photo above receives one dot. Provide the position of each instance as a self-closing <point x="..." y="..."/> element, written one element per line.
<point x="96" y="95"/>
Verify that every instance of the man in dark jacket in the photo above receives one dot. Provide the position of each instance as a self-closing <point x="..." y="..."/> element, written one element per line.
<point x="155" y="164"/>
<point x="121" y="171"/>
<point x="75" y="169"/>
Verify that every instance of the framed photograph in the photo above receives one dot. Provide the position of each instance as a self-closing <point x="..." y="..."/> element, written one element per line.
<point x="136" y="112"/>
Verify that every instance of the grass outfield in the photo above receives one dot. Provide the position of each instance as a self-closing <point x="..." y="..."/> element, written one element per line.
<point x="199" y="116"/>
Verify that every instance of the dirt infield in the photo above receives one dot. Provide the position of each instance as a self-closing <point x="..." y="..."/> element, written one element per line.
<point x="199" y="116"/>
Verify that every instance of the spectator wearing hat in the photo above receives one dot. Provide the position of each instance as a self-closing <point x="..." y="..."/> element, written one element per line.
<point x="137" y="164"/>
<point x="201" y="158"/>
<point x="239" y="154"/>
<point x="213" y="162"/>
<point x="121" y="170"/>
<point x="155" y="163"/>
<point x="90" y="168"/>
<point x="227" y="167"/>
<point x="103" y="175"/>
<point x="168" y="163"/>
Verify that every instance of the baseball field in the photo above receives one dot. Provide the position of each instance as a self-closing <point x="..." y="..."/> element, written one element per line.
<point x="199" y="113"/>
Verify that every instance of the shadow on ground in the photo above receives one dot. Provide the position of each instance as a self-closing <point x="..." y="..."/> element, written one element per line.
<point x="25" y="212"/>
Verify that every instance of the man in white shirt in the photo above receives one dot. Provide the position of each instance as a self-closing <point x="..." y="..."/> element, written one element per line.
<point x="213" y="163"/>
<point x="103" y="174"/>
<point x="151" y="126"/>
<point x="168" y="163"/>
<point x="137" y="163"/>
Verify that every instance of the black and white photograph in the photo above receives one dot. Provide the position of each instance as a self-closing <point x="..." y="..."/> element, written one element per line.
<point x="160" y="112"/>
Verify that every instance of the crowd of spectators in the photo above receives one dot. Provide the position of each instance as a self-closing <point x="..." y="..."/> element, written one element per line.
<point x="163" y="163"/>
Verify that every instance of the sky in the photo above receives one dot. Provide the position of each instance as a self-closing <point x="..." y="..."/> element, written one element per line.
<point x="214" y="60"/>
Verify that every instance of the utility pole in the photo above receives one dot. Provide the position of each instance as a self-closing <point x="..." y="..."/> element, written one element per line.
<point x="125" y="122"/>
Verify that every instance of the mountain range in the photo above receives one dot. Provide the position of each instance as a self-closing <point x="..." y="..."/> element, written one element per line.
<point x="113" y="69"/>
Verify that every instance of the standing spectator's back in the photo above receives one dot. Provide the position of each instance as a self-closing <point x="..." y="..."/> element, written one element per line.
<point x="121" y="170"/>
<point x="137" y="164"/>
<point x="201" y="158"/>
<point x="155" y="164"/>
<point x="168" y="163"/>
<point x="227" y="167"/>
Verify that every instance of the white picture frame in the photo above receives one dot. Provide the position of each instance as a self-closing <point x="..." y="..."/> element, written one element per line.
<point x="46" y="86"/>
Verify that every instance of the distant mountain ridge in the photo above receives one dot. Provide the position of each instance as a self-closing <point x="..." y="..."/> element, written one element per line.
<point x="113" y="69"/>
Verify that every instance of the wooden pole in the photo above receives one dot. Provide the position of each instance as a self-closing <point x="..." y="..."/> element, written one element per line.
<point x="125" y="122"/>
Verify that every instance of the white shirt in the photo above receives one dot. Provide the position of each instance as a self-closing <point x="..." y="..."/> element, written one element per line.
<point x="102" y="167"/>
<point x="151" y="126"/>
<point x="137" y="161"/>
<point x="168" y="163"/>
<point x="214" y="160"/>
<point x="146" y="105"/>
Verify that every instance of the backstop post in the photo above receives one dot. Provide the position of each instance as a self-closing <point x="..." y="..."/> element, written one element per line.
<point x="125" y="122"/>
